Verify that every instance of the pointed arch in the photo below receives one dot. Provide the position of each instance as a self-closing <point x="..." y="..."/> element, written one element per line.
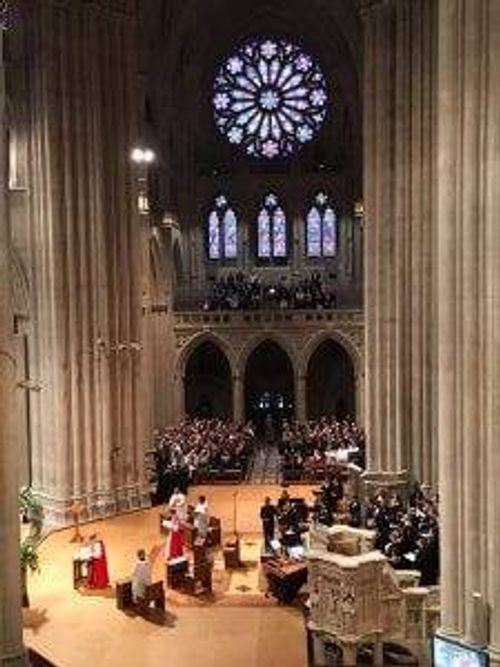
<point x="208" y="382"/>
<point x="193" y="343"/>
<point x="352" y="352"/>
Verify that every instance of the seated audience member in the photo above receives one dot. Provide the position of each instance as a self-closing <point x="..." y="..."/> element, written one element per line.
<point x="248" y="292"/>
<point x="141" y="577"/>
<point x="98" y="566"/>
<point x="197" y="449"/>
<point x="311" y="449"/>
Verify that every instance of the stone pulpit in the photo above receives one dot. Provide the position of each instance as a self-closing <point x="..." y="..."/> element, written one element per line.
<point x="355" y="596"/>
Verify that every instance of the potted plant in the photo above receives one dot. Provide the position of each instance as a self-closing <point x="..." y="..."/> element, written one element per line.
<point x="29" y="561"/>
<point x="32" y="511"/>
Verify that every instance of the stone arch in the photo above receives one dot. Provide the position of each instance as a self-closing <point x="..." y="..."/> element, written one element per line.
<point x="208" y="382"/>
<point x="353" y="353"/>
<point x="338" y="337"/>
<point x="255" y="341"/>
<point x="269" y="383"/>
<point x="197" y="340"/>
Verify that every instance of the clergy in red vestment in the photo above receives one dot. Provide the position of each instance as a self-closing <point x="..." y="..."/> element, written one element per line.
<point x="174" y="547"/>
<point x="98" y="566"/>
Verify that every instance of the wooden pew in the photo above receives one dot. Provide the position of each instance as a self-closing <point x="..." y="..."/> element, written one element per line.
<point x="154" y="593"/>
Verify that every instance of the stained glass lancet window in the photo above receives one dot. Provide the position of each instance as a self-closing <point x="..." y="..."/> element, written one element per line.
<point x="222" y="231"/>
<point x="271" y="229"/>
<point x="321" y="228"/>
<point x="269" y="98"/>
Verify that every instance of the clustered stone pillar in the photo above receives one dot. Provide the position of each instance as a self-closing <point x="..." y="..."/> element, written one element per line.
<point x="398" y="239"/>
<point x="238" y="399"/>
<point x="88" y="439"/>
<point x="11" y="643"/>
<point x="300" y="396"/>
<point x="468" y="273"/>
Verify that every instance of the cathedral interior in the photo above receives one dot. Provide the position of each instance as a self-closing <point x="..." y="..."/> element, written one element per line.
<point x="246" y="224"/>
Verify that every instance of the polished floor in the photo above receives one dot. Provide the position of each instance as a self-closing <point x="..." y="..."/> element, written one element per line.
<point x="76" y="630"/>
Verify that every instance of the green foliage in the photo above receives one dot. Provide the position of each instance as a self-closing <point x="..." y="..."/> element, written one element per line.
<point x="31" y="509"/>
<point x="29" y="556"/>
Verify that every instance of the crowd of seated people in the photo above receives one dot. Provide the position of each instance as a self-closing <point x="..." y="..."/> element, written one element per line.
<point x="407" y="532"/>
<point x="199" y="450"/>
<point x="310" y="449"/>
<point x="240" y="291"/>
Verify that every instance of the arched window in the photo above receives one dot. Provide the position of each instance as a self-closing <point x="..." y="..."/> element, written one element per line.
<point x="222" y="231"/>
<point x="321" y="228"/>
<point x="271" y="230"/>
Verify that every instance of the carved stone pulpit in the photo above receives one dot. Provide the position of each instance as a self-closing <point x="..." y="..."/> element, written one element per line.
<point x="345" y="600"/>
<point x="356" y="597"/>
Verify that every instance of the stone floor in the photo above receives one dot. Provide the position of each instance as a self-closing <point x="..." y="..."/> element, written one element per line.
<point x="75" y="630"/>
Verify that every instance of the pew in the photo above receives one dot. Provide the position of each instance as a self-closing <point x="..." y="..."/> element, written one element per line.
<point x="154" y="593"/>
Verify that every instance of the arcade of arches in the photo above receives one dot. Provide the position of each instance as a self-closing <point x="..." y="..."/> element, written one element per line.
<point x="317" y="234"/>
<point x="270" y="378"/>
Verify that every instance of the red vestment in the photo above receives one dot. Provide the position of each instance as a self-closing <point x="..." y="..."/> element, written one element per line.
<point x="175" y="543"/>
<point x="98" y="566"/>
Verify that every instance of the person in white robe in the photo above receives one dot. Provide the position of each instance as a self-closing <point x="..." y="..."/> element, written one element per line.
<point x="177" y="502"/>
<point x="201" y="518"/>
<point x="141" y="577"/>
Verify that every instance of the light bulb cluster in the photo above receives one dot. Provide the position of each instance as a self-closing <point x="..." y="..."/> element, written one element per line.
<point x="142" y="155"/>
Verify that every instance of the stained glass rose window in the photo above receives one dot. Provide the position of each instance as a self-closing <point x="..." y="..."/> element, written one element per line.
<point x="269" y="98"/>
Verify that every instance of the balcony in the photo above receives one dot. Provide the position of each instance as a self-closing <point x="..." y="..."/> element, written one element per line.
<point x="283" y="318"/>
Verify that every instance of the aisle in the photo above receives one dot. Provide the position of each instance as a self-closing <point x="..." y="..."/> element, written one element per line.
<point x="266" y="465"/>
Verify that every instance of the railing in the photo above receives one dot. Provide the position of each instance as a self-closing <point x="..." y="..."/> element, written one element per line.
<point x="278" y="316"/>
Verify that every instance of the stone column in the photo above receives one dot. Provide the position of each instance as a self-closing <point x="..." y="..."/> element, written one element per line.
<point x="238" y="399"/>
<point x="88" y="434"/>
<point x="386" y="436"/>
<point x="300" y="397"/>
<point x="468" y="272"/>
<point x="398" y="238"/>
<point x="11" y="638"/>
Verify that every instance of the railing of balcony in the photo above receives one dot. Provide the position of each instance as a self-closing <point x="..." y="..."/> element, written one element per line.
<point x="244" y="317"/>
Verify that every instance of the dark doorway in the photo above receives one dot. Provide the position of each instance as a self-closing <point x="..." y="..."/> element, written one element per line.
<point x="268" y="388"/>
<point x="208" y="383"/>
<point x="330" y="382"/>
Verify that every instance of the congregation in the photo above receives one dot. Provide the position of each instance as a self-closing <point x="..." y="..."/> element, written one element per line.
<point x="309" y="449"/>
<point x="197" y="450"/>
<point x="240" y="291"/>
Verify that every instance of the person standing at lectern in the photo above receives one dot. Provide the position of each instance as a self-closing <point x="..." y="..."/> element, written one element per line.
<point x="174" y="547"/>
<point x="98" y="565"/>
<point x="201" y="518"/>
<point x="177" y="502"/>
<point x="268" y="516"/>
